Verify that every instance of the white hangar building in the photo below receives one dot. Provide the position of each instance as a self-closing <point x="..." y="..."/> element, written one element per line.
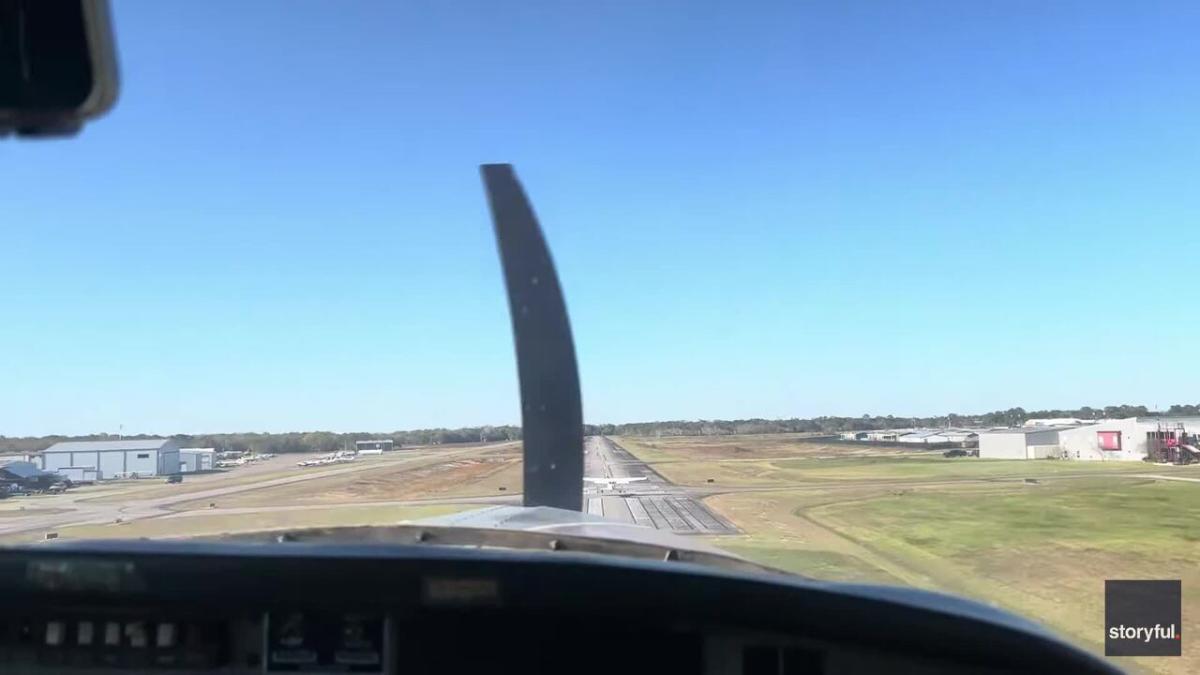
<point x="115" y="459"/>
<point x="1132" y="439"/>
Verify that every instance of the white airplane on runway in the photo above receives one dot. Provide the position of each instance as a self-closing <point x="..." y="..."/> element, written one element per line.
<point x="610" y="483"/>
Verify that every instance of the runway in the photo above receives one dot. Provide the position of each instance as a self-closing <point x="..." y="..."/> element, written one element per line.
<point x="652" y="501"/>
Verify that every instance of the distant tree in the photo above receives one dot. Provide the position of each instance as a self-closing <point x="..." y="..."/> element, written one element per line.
<point x="325" y="441"/>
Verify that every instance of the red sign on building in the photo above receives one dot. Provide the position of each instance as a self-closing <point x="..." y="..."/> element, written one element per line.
<point x="1109" y="440"/>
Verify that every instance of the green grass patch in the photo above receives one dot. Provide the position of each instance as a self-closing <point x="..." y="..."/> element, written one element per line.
<point x="934" y="466"/>
<point x="1160" y="516"/>
<point x="1040" y="550"/>
<point x="768" y="472"/>
<point x="645" y="449"/>
<point x="697" y="467"/>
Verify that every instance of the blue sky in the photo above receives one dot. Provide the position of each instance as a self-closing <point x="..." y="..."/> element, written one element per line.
<point x="790" y="209"/>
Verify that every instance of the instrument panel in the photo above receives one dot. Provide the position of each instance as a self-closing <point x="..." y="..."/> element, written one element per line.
<point x="270" y="642"/>
<point x="412" y="610"/>
<point x="287" y="641"/>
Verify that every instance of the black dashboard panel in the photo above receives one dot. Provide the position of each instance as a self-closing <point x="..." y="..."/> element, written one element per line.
<point x="235" y="608"/>
<point x="91" y="637"/>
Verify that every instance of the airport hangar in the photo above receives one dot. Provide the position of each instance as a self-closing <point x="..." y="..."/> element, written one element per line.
<point x="192" y="460"/>
<point x="1131" y="439"/>
<point x="114" y="459"/>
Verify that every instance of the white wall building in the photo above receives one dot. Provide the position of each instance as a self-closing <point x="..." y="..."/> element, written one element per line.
<point x="1107" y="440"/>
<point x="1019" y="443"/>
<point x="1119" y="440"/>
<point x="919" y="437"/>
<point x="889" y="435"/>
<point x="912" y="436"/>
<point x="79" y="474"/>
<point x="955" y="436"/>
<point x="115" y="459"/>
<point x="192" y="460"/>
<point x="939" y="436"/>
<point x="1124" y="440"/>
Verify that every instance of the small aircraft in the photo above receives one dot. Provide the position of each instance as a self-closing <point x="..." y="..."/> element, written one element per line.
<point x="609" y="483"/>
<point x="338" y="457"/>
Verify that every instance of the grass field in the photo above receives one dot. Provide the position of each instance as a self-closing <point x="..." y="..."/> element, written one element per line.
<point x="795" y="460"/>
<point x="273" y="494"/>
<point x="1044" y="552"/>
<point x="818" y="564"/>
<point x="477" y="474"/>
<point x="17" y="511"/>
<point x="700" y="448"/>
<point x="966" y="526"/>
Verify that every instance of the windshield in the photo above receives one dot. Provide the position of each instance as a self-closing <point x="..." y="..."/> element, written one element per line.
<point x="898" y="293"/>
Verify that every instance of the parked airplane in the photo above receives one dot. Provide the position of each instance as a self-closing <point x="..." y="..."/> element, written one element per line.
<point x="609" y="483"/>
<point x="338" y="457"/>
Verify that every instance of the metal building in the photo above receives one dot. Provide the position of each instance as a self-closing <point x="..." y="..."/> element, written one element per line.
<point x="1125" y="440"/>
<point x="919" y="437"/>
<point x="1022" y="443"/>
<point x="115" y="459"/>
<point x="79" y="474"/>
<point x="1132" y="439"/>
<point x="381" y="445"/>
<point x="192" y="460"/>
<point x="887" y="435"/>
<point x="964" y="437"/>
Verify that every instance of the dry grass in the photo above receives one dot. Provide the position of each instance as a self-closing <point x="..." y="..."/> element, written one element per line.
<point x="25" y="512"/>
<point x="274" y="493"/>
<point x="218" y="523"/>
<point x="476" y="474"/>
<point x="120" y="492"/>
<point x="764" y="446"/>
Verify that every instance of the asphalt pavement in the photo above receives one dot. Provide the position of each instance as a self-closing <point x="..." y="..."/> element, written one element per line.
<point x="652" y="501"/>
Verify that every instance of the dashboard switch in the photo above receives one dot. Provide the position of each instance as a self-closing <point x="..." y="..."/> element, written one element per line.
<point x="84" y="633"/>
<point x="165" y="635"/>
<point x="55" y="630"/>
<point x="135" y="631"/>
<point x="112" y="634"/>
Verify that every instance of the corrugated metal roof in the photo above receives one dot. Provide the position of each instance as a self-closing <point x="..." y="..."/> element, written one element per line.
<point x="1029" y="430"/>
<point x="21" y="469"/>
<point x="93" y="446"/>
<point x="924" y="433"/>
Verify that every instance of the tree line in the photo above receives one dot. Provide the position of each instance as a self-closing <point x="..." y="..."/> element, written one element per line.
<point x="326" y="441"/>
<point x="288" y="442"/>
